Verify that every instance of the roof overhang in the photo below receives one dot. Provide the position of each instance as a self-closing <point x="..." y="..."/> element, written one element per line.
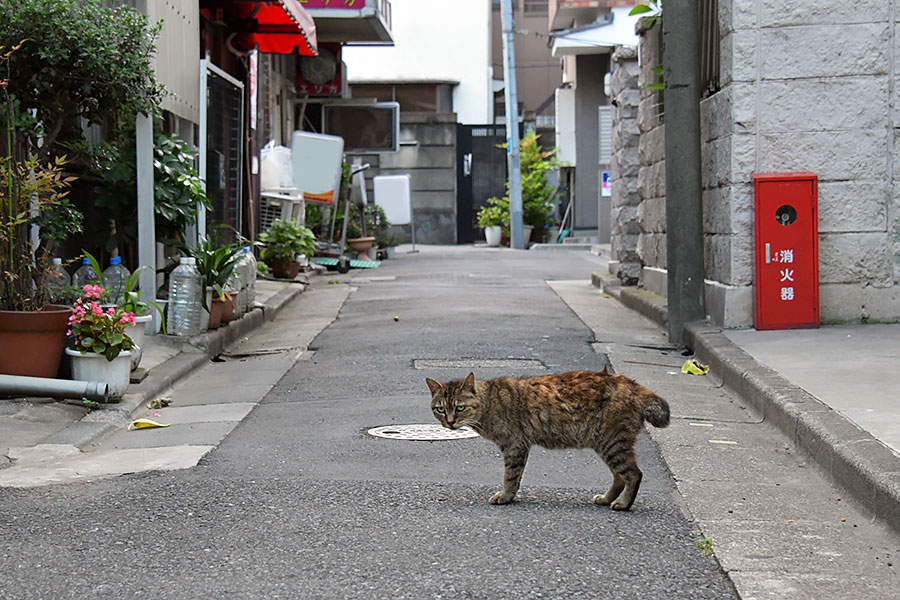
<point x="603" y="36"/>
<point x="359" y="22"/>
<point x="272" y="26"/>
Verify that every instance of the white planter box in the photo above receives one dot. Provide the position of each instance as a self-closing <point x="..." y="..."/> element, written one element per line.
<point x="94" y="367"/>
<point x="137" y="332"/>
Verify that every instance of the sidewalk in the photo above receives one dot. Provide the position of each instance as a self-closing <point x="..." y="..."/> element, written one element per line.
<point x="42" y="428"/>
<point x="832" y="391"/>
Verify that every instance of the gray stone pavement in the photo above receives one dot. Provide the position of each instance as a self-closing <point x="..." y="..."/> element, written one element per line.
<point x="832" y="392"/>
<point x="38" y="432"/>
<point x="779" y="526"/>
<point x="785" y="455"/>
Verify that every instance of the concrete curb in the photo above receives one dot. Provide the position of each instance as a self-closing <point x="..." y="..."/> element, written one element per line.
<point x="193" y="356"/>
<point x="850" y="456"/>
<point x="639" y="300"/>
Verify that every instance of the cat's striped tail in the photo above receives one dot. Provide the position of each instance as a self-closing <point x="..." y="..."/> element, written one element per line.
<point x="656" y="410"/>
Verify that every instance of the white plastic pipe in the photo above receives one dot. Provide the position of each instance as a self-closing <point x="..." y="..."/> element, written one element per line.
<point x="19" y="385"/>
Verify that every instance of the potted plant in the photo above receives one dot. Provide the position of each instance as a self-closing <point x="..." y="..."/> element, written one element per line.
<point x="493" y="217"/>
<point x="28" y="323"/>
<point x="216" y="262"/>
<point x="284" y="240"/>
<point x="106" y="56"/>
<point x="537" y="193"/>
<point x="386" y="243"/>
<point x="99" y="347"/>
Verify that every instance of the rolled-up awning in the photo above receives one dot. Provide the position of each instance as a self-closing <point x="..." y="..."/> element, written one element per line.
<point x="273" y="26"/>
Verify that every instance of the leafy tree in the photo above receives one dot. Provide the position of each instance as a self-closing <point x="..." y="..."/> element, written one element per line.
<point x="536" y="191"/>
<point x="78" y="60"/>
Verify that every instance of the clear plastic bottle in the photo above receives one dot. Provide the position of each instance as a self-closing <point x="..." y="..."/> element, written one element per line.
<point x="114" y="278"/>
<point x="234" y="286"/>
<point x="57" y="280"/>
<point x="183" y="316"/>
<point x="85" y="275"/>
<point x="250" y="276"/>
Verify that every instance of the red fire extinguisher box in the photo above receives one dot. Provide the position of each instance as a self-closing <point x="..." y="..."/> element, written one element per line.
<point x="787" y="251"/>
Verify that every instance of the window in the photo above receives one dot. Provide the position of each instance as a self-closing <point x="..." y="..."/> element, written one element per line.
<point x="413" y="97"/>
<point x="535" y="7"/>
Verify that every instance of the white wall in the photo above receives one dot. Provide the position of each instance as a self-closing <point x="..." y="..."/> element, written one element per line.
<point x="435" y="40"/>
<point x="177" y="60"/>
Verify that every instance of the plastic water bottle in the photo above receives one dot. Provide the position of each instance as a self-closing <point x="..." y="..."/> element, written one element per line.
<point x="183" y="316"/>
<point x="250" y="276"/>
<point x="57" y="280"/>
<point x="85" y="275"/>
<point x="114" y="278"/>
<point x="234" y="286"/>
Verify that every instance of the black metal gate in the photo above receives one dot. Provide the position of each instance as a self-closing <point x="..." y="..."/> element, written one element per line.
<point x="224" y="149"/>
<point x="480" y="174"/>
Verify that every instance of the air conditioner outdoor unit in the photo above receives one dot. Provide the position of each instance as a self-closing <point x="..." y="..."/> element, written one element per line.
<point x="285" y="205"/>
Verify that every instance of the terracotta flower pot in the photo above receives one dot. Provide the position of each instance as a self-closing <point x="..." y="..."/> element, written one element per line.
<point x="361" y="246"/>
<point x="33" y="341"/>
<point x="228" y="309"/>
<point x="216" y="307"/>
<point x="285" y="269"/>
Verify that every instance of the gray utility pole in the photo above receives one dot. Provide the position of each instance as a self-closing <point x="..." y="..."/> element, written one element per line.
<point x="684" y="209"/>
<point x="516" y="234"/>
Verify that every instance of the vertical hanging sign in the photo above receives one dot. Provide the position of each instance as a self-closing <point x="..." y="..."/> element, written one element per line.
<point x="254" y="78"/>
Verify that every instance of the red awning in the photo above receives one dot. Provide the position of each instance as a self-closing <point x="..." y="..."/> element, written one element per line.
<point x="274" y="26"/>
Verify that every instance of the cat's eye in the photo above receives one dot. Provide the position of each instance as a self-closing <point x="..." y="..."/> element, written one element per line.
<point x="460" y="407"/>
<point x="439" y="410"/>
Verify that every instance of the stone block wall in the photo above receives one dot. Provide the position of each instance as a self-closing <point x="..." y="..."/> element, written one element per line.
<point x="625" y="165"/>
<point x="428" y="155"/>
<point x="810" y="86"/>
<point x="652" y="154"/>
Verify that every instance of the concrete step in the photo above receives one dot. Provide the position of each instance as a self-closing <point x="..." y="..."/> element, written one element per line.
<point x="562" y="247"/>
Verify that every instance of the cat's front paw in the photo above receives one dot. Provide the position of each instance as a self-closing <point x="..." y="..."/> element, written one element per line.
<point x="502" y="498"/>
<point x="602" y="500"/>
<point x="620" y="505"/>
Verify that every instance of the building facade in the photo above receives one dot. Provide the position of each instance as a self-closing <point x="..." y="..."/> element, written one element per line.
<point x="781" y="101"/>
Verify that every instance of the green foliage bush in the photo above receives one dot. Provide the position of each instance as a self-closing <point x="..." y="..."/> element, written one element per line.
<point x="284" y="240"/>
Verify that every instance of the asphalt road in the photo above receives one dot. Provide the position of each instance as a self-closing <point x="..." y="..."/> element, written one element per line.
<point x="299" y="502"/>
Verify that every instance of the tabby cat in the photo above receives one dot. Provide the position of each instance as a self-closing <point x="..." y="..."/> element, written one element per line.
<point x="580" y="409"/>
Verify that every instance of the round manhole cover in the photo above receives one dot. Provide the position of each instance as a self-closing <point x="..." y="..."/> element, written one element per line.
<point x="421" y="432"/>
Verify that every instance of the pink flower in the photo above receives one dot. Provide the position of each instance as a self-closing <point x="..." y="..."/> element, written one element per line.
<point x="127" y="318"/>
<point x="92" y="291"/>
<point x="96" y="310"/>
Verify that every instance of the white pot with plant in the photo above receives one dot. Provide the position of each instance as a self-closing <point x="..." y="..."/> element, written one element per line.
<point x="493" y="217"/>
<point x="99" y="347"/>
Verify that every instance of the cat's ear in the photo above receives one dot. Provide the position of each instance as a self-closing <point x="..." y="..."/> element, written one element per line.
<point x="433" y="385"/>
<point x="469" y="381"/>
<point x="605" y="371"/>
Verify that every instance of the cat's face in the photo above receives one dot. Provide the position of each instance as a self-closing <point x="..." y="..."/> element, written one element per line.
<point x="455" y="403"/>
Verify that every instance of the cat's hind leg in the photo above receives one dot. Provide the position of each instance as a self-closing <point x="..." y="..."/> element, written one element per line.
<point x="618" y="484"/>
<point x="514" y="459"/>
<point x="626" y="477"/>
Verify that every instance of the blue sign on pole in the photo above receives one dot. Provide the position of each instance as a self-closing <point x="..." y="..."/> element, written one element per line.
<point x="606" y="184"/>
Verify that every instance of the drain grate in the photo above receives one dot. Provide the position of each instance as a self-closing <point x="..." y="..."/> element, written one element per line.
<point x="422" y="432"/>
<point x="478" y="363"/>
